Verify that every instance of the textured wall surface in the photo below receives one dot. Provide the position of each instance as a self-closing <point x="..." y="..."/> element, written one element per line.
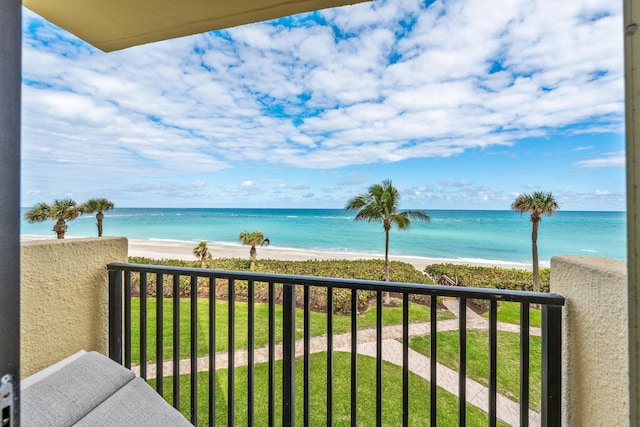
<point x="64" y="304"/>
<point x="595" y="349"/>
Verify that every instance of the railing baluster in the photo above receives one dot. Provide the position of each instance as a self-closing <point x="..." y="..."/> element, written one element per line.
<point x="354" y="357"/>
<point x="329" y="356"/>
<point x="524" y="364"/>
<point x="405" y="359"/>
<point x="379" y="359"/>
<point x="115" y="316"/>
<point x="159" y="335"/>
<point x="143" y="325"/>
<point x="231" y="353"/>
<point x="288" y="355"/>
<point x="212" y="351"/>
<point x="551" y="341"/>
<point x="272" y="354"/>
<point x="433" y="355"/>
<point x="551" y="365"/>
<point x="176" y="341"/>
<point x="307" y="352"/>
<point x="462" y="356"/>
<point x="493" y="361"/>
<point x="251" y="345"/>
<point x="194" y="349"/>
<point x="127" y="319"/>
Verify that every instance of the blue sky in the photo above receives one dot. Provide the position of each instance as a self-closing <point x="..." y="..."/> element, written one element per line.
<point x="462" y="104"/>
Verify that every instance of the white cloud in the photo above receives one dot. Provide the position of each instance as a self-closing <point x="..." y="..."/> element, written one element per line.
<point x="616" y="160"/>
<point x="467" y="196"/>
<point x="450" y="182"/>
<point x="375" y="83"/>
<point x="602" y="200"/>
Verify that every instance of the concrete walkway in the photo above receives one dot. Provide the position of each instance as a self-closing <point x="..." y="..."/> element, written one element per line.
<point x="477" y="394"/>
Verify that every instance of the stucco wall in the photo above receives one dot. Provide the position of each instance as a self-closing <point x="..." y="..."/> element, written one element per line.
<point x="64" y="299"/>
<point x="595" y="349"/>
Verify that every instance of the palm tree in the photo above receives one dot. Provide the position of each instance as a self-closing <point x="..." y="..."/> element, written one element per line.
<point x="380" y="204"/>
<point x="253" y="238"/>
<point x="99" y="206"/>
<point x="61" y="211"/>
<point x="538" y="203"/>
<point x="202" y="252"/>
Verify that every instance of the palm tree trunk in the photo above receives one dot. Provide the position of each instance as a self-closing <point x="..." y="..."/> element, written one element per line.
<point x="203" y="259"/>
<point x="99" y="217"/>
<point x="252" y="257"/>
<point x="60" y="228"/>
<point x="387" y="297"/>
<point x="534" y="250"/>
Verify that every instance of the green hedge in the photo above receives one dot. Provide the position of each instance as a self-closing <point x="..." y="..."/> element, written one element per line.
<point x="490" y="277"/>
<point x="358" y="269"/>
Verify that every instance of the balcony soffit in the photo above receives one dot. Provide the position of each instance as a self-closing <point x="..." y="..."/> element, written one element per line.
<point x="117" y="24"/>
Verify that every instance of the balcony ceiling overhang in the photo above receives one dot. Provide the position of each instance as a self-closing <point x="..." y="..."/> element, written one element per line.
<point x="117" y="24"/>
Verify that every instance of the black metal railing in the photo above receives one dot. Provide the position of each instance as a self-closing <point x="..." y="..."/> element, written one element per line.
<point x="181" y="284"/>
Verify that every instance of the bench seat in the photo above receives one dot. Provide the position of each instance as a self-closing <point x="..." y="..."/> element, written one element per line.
<point x="93" y="390"/>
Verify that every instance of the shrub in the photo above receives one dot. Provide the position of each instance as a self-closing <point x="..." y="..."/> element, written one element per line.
<point x="491" y="277"/>
<point x="358" y="269"/>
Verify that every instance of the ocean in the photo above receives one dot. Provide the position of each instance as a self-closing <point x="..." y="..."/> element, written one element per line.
<point x="479" y="236"/>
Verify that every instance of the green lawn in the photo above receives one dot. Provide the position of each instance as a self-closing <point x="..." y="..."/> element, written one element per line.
<point x="508" y="373"/>
<point x="447" y="413"/>
<point x="509" y="312"/>
<point x="341" y="324"/>
<point x="477" y="364"/>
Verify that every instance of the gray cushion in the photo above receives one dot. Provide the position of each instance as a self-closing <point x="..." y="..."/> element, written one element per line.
<point x="67" y="395"/>
<point x="93" y="390"/>
<point x="135" y="404"/>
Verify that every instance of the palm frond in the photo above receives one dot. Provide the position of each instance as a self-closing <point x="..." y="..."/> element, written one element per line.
<point x="65" y="209"/>
<point x="538" y="203"/>
<point x="201" y="249"/>
<point x="253" y="238"/>
<point x="380" y="204"/>
<point x="39" y="213"/>
<point x="96" y="205"/>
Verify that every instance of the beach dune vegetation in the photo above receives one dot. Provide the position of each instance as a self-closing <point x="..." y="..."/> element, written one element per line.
<point x="61" y="211"/>
<point x="474" y="276"/>
<point x="202" y="252"/>
<point x="99" y="206"/>
<point x="380" y="204"/>
<point x="253" y="238"/>
<point x="356" y="269"/>
<point x="538" y="203"/>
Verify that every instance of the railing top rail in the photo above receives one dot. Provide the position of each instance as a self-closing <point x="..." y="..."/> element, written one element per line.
<point x="439" y="290"/>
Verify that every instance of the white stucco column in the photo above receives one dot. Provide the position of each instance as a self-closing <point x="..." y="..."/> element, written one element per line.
<point x="64" y="301"/>
<point x="594" y="340"/>
<point x="632" y="113"/>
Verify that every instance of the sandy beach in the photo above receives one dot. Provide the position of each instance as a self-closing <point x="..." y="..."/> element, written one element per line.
<point x="161" y="249"/>
<point x="178" y="250"/>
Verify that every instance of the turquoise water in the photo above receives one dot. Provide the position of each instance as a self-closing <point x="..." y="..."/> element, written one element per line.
<point x="452" y="234"/>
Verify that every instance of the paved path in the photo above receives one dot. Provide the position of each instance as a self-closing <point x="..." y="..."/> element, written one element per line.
<point x="477" y="394"/>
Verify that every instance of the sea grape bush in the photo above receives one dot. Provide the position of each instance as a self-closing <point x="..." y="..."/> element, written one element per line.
<point x="490" y="277"/>
<point x="358" y="269"/>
